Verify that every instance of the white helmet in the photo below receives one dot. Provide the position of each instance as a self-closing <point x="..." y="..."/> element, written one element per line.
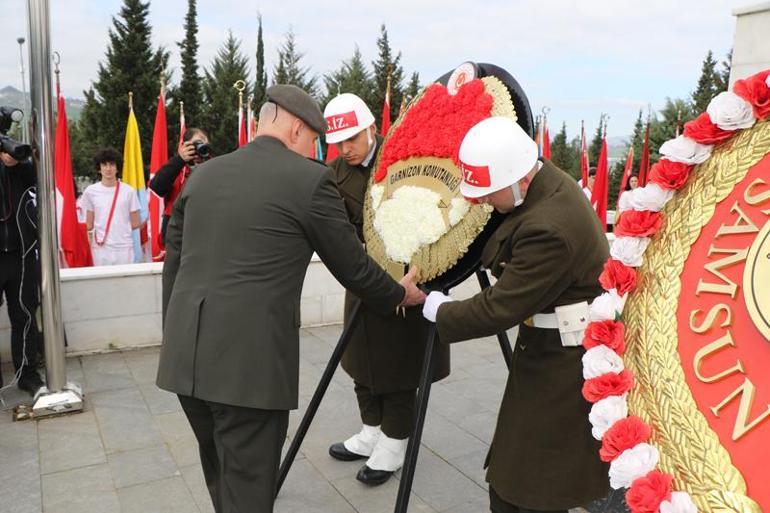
<point x="346" y="115"/>
<point x="495" y="153"/>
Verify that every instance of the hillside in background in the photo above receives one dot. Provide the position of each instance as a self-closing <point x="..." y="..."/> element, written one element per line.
<point x="12" y="97"/>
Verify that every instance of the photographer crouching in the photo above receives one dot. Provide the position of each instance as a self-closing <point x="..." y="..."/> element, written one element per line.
<point x="18" y="252"/>
<point x="170" y="179"/>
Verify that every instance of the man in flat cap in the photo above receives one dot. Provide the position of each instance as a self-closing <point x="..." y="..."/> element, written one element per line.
<point x="238" y="244"/>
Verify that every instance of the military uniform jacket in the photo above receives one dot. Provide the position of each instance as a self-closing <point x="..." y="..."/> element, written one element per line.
<point x="386" y="351"/>
<point x="239" y="241"/>
<point x="548" y="252"/>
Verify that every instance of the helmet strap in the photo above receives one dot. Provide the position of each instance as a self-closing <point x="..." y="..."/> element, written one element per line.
<point x="518" y="199"/>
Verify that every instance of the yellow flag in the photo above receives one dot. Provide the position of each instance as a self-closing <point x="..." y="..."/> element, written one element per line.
<point x="133" y="166"/>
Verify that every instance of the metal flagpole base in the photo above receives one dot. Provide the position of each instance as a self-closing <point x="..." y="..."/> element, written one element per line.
<point x="67" y="400"/>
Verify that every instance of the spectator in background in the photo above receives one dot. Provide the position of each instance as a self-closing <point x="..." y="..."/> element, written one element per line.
<point x="633" y="182"/>
<point x="587" y="188"/>
<point x="112" y="212"/>
<point x="170" y="179"/>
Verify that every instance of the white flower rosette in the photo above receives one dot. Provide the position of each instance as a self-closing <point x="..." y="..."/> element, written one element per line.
<point x="685" y="150"/>
<point x="629" y="250"/>
<point x="605" y="413"/>
<point x="607" y="307"/>
<point x="729" y="111"/>
<point x="600" y="360"/>
<point x="632" y="464"/>
<point x="680" y="502"/>
<point x="651" y="197"/>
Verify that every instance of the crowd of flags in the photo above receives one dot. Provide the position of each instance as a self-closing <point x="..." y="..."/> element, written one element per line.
<point x="73" y="241"/>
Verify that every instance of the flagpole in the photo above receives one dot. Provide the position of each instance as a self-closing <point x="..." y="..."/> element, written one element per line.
<point x="59" y="396"/>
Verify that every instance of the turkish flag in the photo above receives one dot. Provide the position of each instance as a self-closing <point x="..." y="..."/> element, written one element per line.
<point x="73" y="242"/>
<point x="601" y="185"/>
<point x="158" y="157"/>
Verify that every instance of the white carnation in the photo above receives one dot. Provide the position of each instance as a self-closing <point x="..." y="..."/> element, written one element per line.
<point x="651" y="197"/>
<point x="601" y="360"/>
<point x="685" y="150"/>
<point x="729" y="111"/>
<point x="629" y="250"/>
<point x="607" y="306"/>
<point x="607" y="412"/>
<point x="680" y="502"/>
<point x="409" y="220"/>
<point x="767" y="81"/>
<point x="376" y="192"/>
<point x="632" y="464"/>
<point x="460" y="207"/>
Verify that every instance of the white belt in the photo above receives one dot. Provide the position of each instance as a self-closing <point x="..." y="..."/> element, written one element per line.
<point x="570" y="320"/>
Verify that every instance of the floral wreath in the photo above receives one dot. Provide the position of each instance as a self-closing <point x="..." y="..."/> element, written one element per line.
<point x="625" y="440"/>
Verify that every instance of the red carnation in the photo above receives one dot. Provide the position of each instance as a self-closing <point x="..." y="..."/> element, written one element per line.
<point x="702" y="130"/>
<point x="755" y="91"/>
<point x="606" y="385"/>
<point x="670" y="175"/>
<point x="605" y="333"/>
<point x="635" y="223"/>
<point x="648" y="492"/>
<point x="624" y="434"/>
<point x="618" y="276"/>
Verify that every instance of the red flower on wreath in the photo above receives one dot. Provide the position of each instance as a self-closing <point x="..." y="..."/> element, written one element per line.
<point x="755" y="91"/>
<point x="606" y="333"/>
<point x="669" y="174"/>
<point x="436" y="125"/>
<point x="702" y="130"/>
<point x="624" y="434"/>
<point x="635" y="223"/>
<point x="596" y="389"/>
<point x="647" y="493"/>
<point x="617" y="276"/>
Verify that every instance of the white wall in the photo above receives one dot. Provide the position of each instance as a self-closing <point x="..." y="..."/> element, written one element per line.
<point x="116" y="307"/>
<point x="751" y="48"/>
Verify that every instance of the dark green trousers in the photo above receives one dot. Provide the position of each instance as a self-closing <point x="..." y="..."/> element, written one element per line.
<point x="240" y="451"/>
<point x="392" y="412"/>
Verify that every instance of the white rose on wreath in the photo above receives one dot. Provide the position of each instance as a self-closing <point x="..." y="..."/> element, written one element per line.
<point x="632" y="464"/>
<point x="685" y="150"/>
<point x="729" y="111"/>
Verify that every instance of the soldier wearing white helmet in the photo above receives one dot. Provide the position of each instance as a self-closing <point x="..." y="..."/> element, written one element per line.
<point x="385" y="353"/>
<point x="547" y="256"/>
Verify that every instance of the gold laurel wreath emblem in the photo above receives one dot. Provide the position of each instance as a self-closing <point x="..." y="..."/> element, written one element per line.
<point x="689" y="449"/>
<point x="435" y="259"/>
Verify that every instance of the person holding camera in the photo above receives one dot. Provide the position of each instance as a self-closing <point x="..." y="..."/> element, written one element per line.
<point x="18" y="265"/>
<point x="168" y="182"/>
<point x="112" y="212"/>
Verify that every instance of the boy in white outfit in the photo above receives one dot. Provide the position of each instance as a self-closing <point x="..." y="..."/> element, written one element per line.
<point x="112" y="212"/>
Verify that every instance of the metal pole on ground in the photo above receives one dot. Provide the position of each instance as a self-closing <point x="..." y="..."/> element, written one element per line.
<point x="59" y="396"/>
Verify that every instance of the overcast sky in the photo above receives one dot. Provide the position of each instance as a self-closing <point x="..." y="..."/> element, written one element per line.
<point x="578" y="57"/>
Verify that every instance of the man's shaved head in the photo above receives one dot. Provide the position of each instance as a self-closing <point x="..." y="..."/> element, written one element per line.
<point x="277" y="122"/>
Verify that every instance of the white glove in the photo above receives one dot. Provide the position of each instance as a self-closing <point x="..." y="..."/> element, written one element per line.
<point x="434" y="300"/>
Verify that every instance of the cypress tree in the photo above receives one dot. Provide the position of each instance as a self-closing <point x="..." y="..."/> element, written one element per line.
<point x="707" y="84"/>
<point x="351" y="77"/>
<point x="260" y="80"/>
<point x="289" y="71"/>
<point x="189" y="90"/>
<point x="385" y="64"/>
<point x="595" y="147"/>
<point x="130" y="64"/>
<point x="220" y="108"/>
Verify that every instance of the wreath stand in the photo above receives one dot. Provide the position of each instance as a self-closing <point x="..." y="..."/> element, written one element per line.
<point x="421" y="404"/>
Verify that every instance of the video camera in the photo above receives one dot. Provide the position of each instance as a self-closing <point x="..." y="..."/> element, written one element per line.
<point x="16" y="149"/>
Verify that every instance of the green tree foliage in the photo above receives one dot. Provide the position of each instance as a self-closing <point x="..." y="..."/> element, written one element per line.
<point x="189" y="89"/>
<point x="413" y="87"/>
<point x="130" y="64"/>
<point x="564" y="154"/>
<point x="595" y="146"/>
<point x="260" y="80"/>
<point x="289" y="71"/>
<point x="722" y="78"/>
<point x="351" y="77"/>
<point x="386" y="63"/>
<point x="220" y="108"/>
<point x="708" y="84"/>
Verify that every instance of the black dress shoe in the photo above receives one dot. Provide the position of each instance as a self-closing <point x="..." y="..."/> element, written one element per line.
<point x="373" y="477"/>
<point x="339" y="452"/>
<point x="30" y="382"/>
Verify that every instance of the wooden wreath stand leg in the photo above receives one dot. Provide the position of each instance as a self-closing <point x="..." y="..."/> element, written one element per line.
<point x="315" y="402"/>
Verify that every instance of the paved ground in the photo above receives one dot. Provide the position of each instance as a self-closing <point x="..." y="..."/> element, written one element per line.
<point x="132" y="450"/>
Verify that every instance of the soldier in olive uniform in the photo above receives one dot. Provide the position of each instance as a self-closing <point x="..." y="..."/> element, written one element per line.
<point x="239" y="241"/>
<point x="547" y="256"/>
<point x="385" y="354"/>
